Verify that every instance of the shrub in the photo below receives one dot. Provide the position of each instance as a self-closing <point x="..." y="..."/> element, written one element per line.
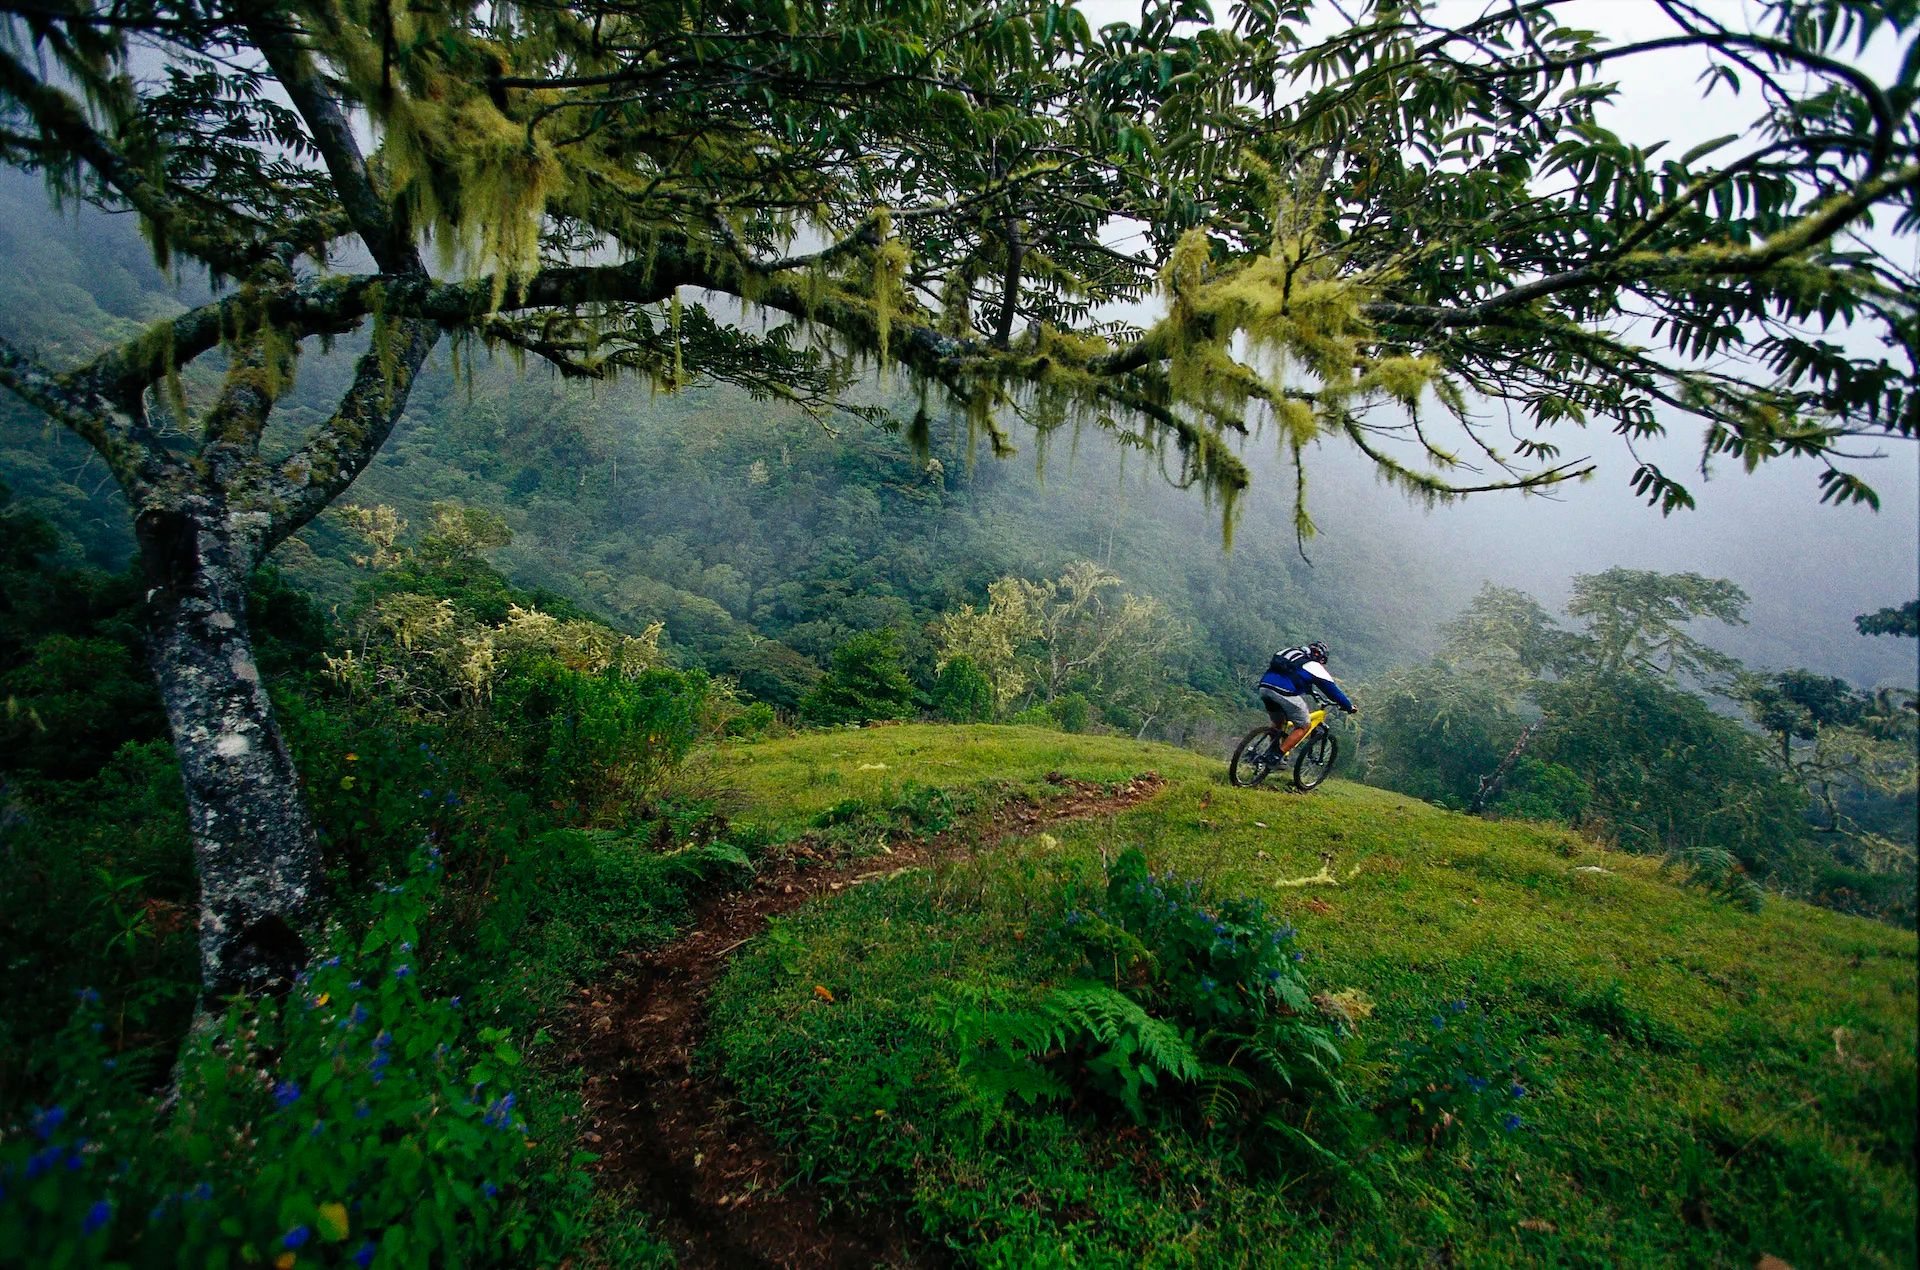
<point x="1190" y="1003"/>
<point x="961" y="693"/>
<point x="360" y="1118"/>
<point x="594" y="742"/>
<point x="1544" y="791"/>
<point x="1455" y="1079"/>
<point x="1073" y="712"/>
<point x="864" y="682"/>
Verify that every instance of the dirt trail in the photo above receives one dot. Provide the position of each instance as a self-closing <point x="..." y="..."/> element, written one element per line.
<point x="674" y="1137"/>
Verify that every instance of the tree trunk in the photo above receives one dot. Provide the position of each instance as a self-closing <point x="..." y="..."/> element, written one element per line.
<point x="1490" y="783"/>
<point x="257" y="855"/>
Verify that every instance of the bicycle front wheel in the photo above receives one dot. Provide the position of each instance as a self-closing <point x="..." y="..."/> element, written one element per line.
<point x="1316" y="758"/>
<point x="1255" y="756"/>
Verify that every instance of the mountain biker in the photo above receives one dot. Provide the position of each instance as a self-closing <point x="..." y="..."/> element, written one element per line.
<point x="1291" y="676"/>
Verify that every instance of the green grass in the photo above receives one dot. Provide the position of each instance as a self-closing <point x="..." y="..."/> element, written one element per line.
<point x="1714" y="1084"/>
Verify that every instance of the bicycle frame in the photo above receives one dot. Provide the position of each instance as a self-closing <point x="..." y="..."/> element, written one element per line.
<point x="1314" y="719"/>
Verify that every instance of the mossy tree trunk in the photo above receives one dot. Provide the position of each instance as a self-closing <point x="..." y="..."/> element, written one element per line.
<point x="254" y="845"/>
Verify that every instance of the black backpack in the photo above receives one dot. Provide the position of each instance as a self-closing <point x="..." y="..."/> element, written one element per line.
<point x="1289" y="661"/>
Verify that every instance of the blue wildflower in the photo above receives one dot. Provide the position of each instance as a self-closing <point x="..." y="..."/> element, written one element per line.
<point x="489" y="1190"/>
<point x="364" y="1257"/>
<point x="384" y="1040"/>
<point x="201" y="1191"/>
<point x="361" y="1111"/>
<point x="1218" y="929"/>
<point x="1439" y="1024"/>
<point x="1512" y="1122"/>
<point x="1299" y="956"/>
<point x="1477" y="1083"/>
<point x="456" y="1003"/>
<point x="296" y="1238"/>
<point x="360" y="1013"/>
<point x="99" y="1215"/>
<point x="354" y="986"/>
<point x="401" y="972"/>
<point x="87" y="996"/>
<point x="286" y="1093"/>
<point x="47" y="1121"/>
<point x="319" y="1127"/>
<point x="41" y="1162"/>
<point x="331" y="962"/>
<point x="159" y="1210"/>
<point x="1207" y="984"/>
<point x="1519" y="1091"/>
<point x="1459" y="1007"/>
<point x="110" y="1063"/>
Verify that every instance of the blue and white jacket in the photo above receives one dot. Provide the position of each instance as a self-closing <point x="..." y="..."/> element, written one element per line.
<point x="1295" y="672"/>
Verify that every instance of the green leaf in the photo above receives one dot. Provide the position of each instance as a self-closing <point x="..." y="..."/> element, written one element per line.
<point x="1706" y="148"/>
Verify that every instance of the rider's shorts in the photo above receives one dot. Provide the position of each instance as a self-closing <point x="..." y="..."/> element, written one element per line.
<point x="1282" y="708"/>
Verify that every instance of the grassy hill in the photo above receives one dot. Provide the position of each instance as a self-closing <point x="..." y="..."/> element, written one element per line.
<point x="1705" y="1085"/>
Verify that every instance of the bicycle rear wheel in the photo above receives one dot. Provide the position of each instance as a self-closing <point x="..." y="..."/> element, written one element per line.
<point x="1316" y="758"/>
<point x="1254" y="758"/>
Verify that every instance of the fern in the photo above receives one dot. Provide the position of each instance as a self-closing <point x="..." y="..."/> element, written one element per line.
<point x="1719" y="873"/>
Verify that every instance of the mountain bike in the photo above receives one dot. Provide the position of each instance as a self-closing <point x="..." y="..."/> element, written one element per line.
<point x="1258" y="755"/>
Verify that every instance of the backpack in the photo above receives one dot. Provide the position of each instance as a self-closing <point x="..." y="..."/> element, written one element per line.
<point x="1286" y="665"/>
<point x="1289" y="661"/>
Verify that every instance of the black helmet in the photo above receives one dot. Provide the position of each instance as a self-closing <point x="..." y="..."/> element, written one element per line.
<point x="1319" y="651"/>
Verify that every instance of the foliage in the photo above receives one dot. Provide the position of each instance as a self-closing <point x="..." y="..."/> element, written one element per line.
<point x="1544" y="791"/>
<point x="1456" y="1079"/>
<point x="360" y="1119"/>
<point x="96" y="892"/>
<point x="1901" y="620"/>
<point x="1623" y="747"/>
<point x="962" y="693"/>
<point x="1671" y="777"/>
<point x="1079" y="634"/>
<point x="1432" y="731"/>
<point x="1190" y="1004"/>
<point x="864" y="682"/>
<point x="1636" y="620"/>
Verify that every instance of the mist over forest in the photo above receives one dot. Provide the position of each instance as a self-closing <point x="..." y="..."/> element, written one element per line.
<point x="1383" y="574"/>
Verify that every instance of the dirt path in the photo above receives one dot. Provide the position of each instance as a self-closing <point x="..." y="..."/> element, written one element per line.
<point x="673" y="1137"/>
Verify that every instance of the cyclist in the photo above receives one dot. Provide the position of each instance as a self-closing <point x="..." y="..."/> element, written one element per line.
<point x="1291" y="676"/>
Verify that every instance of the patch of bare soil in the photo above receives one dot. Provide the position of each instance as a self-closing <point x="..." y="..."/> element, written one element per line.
<point x="673" y="1136"/>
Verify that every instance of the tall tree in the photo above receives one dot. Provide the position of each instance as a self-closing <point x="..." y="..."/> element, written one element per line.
<point x="1402" y="212"/>
<point x="1637" y="620"/>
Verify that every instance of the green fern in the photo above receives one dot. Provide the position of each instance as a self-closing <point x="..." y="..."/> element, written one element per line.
<point x="1718" y="872"/>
